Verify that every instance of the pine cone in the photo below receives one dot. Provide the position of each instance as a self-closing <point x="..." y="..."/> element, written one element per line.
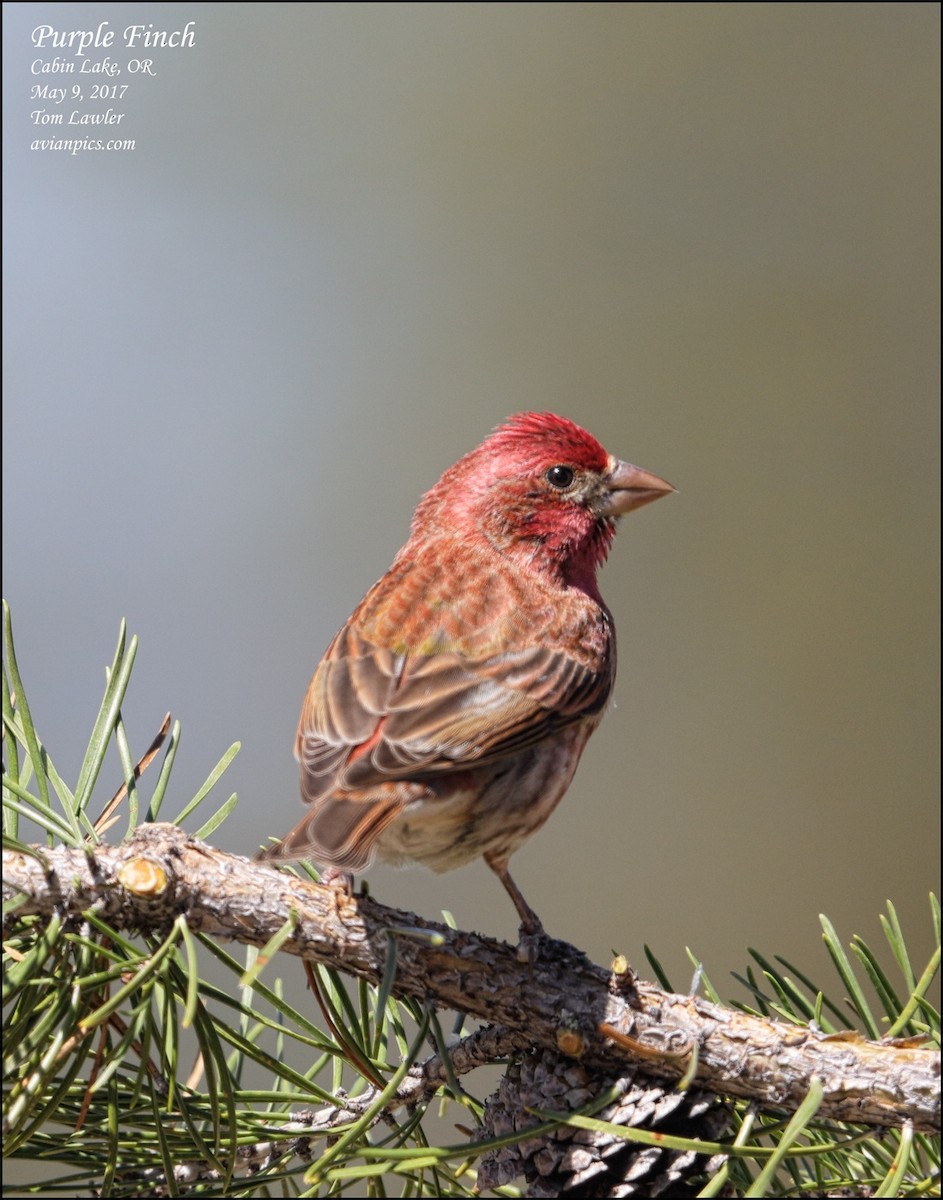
<point x="580" y="1162"/>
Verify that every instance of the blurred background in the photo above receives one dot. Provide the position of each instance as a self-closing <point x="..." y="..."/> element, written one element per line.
<point x="353" y="238"/>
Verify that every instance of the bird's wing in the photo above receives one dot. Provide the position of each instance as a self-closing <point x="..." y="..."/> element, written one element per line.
<point x="374" y="716"/>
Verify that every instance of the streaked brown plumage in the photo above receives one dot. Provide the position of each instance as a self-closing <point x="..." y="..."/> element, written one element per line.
<point x="448" y="716"/>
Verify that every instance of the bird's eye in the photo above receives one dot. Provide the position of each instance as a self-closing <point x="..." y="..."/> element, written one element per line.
<point x="560" y="477"/>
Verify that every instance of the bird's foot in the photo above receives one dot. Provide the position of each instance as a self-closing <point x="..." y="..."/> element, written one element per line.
<point x="529" y="940"/>
<point x="341" y="884"/>
<point x="336" y="878"/>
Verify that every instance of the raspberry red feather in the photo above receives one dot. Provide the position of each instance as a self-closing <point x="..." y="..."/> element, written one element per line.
<point x="448" y="716"/>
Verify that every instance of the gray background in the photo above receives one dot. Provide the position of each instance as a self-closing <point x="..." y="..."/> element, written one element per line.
<point x="350" y="240"/>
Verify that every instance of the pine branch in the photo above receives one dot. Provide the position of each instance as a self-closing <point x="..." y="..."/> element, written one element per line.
<point x="301" y="1138"/>
<point x="562" y="1001"/>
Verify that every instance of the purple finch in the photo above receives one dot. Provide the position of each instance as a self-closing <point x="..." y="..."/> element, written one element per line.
<point x="447" y="717"/>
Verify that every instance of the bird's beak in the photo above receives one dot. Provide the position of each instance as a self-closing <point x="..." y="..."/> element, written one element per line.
<point x="630" y="487"/>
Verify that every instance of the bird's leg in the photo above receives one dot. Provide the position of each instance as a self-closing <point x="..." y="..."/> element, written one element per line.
<point x="531" y="930"/>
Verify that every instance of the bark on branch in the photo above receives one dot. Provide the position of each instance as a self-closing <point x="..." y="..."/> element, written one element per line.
<point x="562" y="1001"/>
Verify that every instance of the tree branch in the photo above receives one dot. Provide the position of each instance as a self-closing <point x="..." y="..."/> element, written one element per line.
<point x="562" y="1001"/>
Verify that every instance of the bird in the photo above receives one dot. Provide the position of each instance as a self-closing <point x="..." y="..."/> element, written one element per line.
<point x="448" y="716"/>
